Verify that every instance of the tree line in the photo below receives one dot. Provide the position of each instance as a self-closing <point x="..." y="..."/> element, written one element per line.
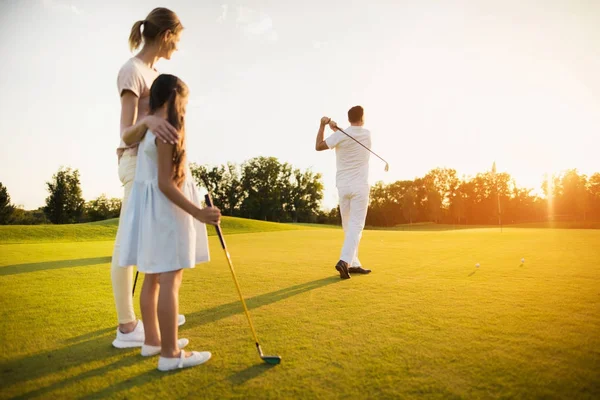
<point x="266" y="189"/>
<point x="261" y="188"/>
<point x="64" y="204"/>
<point x="487" y="198"/>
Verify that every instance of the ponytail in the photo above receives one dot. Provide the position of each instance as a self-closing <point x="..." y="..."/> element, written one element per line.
<point x="156" y="24"/>
<point x="135" y="37"/>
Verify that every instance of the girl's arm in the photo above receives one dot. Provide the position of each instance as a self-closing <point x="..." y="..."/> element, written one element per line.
<point x="209" y="215"/>
<point x="134" y="129"/>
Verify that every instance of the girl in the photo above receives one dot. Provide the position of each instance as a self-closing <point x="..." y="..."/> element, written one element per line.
<point x="159" y="33"/>
<point x="163" y="228"/>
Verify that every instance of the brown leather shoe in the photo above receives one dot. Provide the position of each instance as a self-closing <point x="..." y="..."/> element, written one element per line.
<point x="359" y="270"/>
<point x="342" y="267"/>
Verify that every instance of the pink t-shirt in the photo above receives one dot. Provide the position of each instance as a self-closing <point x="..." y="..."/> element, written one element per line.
<point x="136" y="77"/>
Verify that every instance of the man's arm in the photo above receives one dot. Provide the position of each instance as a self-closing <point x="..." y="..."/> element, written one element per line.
<point x="320" y="144"/>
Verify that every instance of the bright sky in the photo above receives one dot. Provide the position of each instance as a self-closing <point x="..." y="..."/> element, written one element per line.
<point x="454" y="83"/>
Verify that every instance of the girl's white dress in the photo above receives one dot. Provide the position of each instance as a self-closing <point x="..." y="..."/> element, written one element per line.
<point x="156" y="235"/>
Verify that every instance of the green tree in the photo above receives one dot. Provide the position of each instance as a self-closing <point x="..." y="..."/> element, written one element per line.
<point x="65" y="204"/>
<point x="262" y="186"/>
<point x="103" y="208"/>
<point x="6" y="208"/>
<point x="378" y="199"/>
<point x="305" y="195"/>
<point x="224" y="185"/>
<point x="574" y="197"/>
<point x="594" y="195"/>
<point x="28" y="217"/>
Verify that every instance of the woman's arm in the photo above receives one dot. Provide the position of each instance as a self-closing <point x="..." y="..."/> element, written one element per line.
<point x="134" y="129"/>
<point x="209" y="215"/>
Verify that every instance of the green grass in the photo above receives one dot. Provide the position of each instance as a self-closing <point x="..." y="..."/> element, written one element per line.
<point x="106" y="222"/>
<point x="427" y="227"/>
<point x="425" y="323"/>
<point x="430" y="226"/>
<point x="107" y="230"/>
<point x="561" y="225"/>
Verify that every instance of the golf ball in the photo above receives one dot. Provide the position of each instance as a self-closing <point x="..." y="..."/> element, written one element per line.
<point x="477" y="265"/>
<point x="522" y="261"/>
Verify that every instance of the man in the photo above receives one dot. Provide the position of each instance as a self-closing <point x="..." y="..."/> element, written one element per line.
<point x="352" y="181"/>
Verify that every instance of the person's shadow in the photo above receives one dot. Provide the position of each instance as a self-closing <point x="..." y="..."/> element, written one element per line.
<point x="95" y="346"/>
<point x="227" y="310"/>
<point x="249" y="373"/>
<point x="41" y="266"/>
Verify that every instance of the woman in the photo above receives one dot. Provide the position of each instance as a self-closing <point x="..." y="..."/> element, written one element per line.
<point x="159" y="33"/>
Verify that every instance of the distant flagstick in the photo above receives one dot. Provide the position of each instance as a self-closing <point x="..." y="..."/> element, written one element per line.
<point x="498" y="194"/>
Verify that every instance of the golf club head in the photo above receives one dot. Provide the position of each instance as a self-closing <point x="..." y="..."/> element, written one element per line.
<point x="387" y="167"/>
<point x="273" y="360"/>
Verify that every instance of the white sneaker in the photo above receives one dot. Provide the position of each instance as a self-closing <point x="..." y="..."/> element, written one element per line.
<point x="134" y="338"/>
<point x="197" y="358"/>
<point x="149" y="351"/>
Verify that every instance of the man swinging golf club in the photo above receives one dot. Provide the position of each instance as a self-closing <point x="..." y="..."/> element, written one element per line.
<point x="352" y="150"/>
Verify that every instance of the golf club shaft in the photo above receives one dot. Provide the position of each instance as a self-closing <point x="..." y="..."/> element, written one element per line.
<point x="237" y="285"/>
<point x="135" y="282"/>
<point x="372" y="152"/>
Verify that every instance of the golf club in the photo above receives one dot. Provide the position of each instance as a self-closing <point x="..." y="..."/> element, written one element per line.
<point x="268" y="359"/>
<point x="134" y="282"/>
<point x="387" y="166"/>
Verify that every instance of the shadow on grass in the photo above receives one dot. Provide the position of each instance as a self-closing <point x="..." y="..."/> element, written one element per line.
<point x="249" y="373"/>
<point x="238" y="378"/>
<point x="112" y="391"/>
<point x="42" y="266"/>
<point x="90" y="335"/>
<point x="35" y="366"/>
<point x="473" y="273"/>
<point x="98" y="348"/>
<point x="230" y="309"/>
<point x="47" y="390"/>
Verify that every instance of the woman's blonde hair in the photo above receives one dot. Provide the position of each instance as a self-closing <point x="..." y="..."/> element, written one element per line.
<point x="156" y="24"/>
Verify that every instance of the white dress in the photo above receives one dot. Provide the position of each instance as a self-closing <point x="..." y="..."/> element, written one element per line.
<point x="157" y="235"/>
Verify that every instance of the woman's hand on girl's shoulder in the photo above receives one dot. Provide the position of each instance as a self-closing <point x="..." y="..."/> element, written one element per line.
<point x="162" y="129"/>
<point x="209" y="215"/>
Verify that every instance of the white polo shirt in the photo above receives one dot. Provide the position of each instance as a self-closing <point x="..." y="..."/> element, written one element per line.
<point x="352" y="160"/>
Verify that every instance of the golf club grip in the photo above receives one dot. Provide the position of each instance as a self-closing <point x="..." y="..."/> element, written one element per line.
<point x="209" y="203"/>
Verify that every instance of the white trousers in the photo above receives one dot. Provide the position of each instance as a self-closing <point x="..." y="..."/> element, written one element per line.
<point x="122" y="278"/>
<point x="354" y="202"/>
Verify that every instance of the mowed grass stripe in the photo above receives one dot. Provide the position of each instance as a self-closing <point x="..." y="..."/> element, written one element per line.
<point x="107" y="230"/>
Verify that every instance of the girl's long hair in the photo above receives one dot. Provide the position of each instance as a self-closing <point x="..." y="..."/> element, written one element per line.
<point x="173" y="91"/>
